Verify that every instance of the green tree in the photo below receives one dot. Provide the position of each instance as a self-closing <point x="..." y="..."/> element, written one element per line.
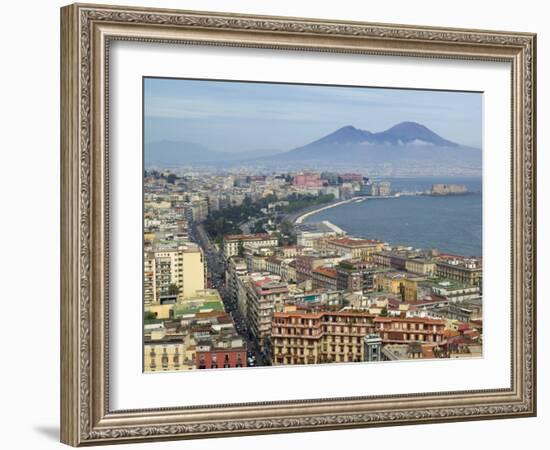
<point x="149" y="315"/>
<point x="171" y="178"/>
<point x="287" y="232"/>
<point x="259" y="226"/>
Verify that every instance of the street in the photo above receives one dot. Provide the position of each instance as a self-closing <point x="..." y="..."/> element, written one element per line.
<point x="216" y="274"/>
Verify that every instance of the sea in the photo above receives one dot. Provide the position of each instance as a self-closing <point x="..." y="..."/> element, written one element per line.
<point x="451" y="224"/>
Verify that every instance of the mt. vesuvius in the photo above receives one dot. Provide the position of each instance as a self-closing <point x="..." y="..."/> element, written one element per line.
<point x="402" y="144"/>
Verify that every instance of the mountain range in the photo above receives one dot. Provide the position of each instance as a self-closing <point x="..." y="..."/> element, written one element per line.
<point x="182" y="153"/>
<point x="405" y="145"/>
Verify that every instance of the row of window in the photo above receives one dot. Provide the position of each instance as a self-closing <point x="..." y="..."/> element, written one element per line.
<point x="413" y="337"/>
<point x="214" y="359"/>
<point x="340" y="349"/>
<point x="410" y="326"/>
<point x="329" y="338"/>
<point x="215" y="366"/>
<point x="317" y="332"/>
<point x="291" y="360"/>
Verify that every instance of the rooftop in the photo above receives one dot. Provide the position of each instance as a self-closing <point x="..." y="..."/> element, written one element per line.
<point x="401" y="275"/>
<point x="168" y="339"/>
<point x="354" y="242"/>
<point x="181" y="309"/>
<point x="268" y="284"/>
<point x="466" y="262"/>
<point x="205" y="295"/>
<point x="445" y="283"/>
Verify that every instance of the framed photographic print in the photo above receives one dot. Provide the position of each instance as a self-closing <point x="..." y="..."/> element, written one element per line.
<point x="277" y="224"/>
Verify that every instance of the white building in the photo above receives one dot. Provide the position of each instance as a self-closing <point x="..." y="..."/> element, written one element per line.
<point x="233" y="243"/>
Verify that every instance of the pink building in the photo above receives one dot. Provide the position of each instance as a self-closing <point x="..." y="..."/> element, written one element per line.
<point x="307" y="179"/>
<point x="352" y="177"/>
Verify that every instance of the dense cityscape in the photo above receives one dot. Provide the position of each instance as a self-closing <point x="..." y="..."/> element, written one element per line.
<point x="235" y="276"/>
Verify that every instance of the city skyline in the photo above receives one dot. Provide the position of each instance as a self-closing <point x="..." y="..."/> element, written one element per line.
<point x="235" y="275"/>
<point x="231" y="116"/>
<point x="317" y="253"/>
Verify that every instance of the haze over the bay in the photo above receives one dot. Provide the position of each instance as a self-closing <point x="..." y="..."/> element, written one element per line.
<point x="266" y="117"/>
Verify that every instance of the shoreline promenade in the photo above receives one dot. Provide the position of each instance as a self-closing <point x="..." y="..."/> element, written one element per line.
<point x="300" y="217"/>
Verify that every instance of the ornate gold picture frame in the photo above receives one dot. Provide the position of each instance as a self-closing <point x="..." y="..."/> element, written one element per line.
<point x="87" y="31"/>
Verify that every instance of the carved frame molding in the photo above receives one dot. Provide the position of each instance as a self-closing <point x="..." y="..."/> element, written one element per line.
<point x="86" y="32"/>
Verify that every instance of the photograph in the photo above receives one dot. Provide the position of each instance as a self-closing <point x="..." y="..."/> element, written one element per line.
<point x="286" y="223"/>
<point x="297" y="224"/>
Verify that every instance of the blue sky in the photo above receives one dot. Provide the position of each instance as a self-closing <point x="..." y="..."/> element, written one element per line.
<point x="240" y="116"/>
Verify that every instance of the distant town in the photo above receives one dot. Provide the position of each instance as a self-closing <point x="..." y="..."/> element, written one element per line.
<point x="234" y="277"/>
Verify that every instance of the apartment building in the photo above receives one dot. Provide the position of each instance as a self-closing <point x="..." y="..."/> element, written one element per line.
<point x="400" y="283"/>
<point x="356" y="275"/>
<point x="226" y="350"/>
<point x="149" y="278"/>
<point x="167" y="349"/>
<point x="324" y="337"/>
<point x="265" y="294"/>
<point x="236" y="268"/>
<point x="324" y="278"/>
<point x="355" y="248"/>
<point x="458" y="268"/>
<point x="234" y="242"/>
<point x="305" y="264"/>
<point x="183" y="266"/>
<point x="399" y="330"/>
<point x="421" y="266"/>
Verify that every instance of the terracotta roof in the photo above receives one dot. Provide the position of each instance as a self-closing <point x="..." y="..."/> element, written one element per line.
<point x="393" y="301"/>
<point x="326" y="271"/>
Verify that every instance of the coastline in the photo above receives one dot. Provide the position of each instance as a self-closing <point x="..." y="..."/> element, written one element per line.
<point x="298" y="218"/>
<point x="355" y="220"/>
<point x="301" y="216"/>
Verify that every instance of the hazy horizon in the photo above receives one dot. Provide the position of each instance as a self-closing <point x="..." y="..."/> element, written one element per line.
<point x="231" y="116"/>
